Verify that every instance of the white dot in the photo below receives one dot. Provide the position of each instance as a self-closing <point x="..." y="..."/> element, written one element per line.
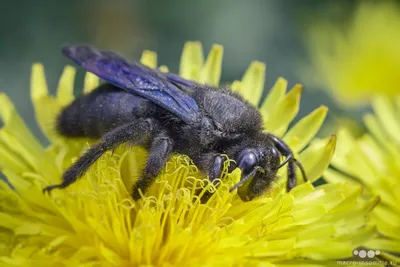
<point x="371" y="254"/>
<point x="362" y="253"/>
<point x="377" y="252"/>
<point x="355" y="252"/>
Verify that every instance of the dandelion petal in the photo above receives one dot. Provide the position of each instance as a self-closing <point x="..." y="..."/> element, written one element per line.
<point x="149" y="59"/>
<point x="211" y="71"/>
<point x="192" y="61"/>
<point x="65" y="90"/>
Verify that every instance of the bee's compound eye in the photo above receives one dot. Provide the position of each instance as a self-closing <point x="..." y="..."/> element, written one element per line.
<point x="247" y="161"/>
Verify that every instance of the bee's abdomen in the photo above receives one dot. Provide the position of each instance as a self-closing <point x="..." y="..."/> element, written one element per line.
<point x="105" y="108"/>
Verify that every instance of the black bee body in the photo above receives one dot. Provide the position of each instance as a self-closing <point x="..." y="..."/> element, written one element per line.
<point x="102" y="110"/>
<point x="206" y="123"/>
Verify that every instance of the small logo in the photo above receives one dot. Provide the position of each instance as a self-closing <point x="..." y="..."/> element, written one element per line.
<point x="363" y="253"/>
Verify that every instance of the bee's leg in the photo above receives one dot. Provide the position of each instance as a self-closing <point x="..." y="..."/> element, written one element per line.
<point x="161" y="148"/>
<point x="212" y="164"/>
<point x="216" y="168"/>
<point x="285" y="150"/>
<point x="138" y="132"/>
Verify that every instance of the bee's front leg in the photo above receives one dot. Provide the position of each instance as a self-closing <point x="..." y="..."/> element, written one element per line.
<point x="212" y="164"/>
<point x="285" y="150"/>
<point x="215" y="170"/>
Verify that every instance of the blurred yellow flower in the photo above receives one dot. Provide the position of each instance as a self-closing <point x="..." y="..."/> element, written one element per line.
<point x="373" y="162"/>
<point x="95" y="222"/>
<point x="361" y="61"/>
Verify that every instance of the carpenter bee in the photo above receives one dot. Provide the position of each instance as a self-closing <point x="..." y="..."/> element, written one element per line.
<point x="166" y="113"/>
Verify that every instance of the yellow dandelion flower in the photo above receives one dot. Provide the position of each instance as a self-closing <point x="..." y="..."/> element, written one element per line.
<point x="373" y="162"/>
<point x="95" y="222"/>
<point x="362" y="61"/>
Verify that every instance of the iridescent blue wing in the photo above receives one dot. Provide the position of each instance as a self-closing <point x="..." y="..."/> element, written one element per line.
<point x="135" y="78"/>
<point x="186" y="84"/>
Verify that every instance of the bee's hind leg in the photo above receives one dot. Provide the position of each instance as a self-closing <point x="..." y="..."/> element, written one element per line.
<point x="137" y="133"/>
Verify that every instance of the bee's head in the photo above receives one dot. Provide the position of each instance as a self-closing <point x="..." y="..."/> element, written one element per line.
<point x="259" y="163"/>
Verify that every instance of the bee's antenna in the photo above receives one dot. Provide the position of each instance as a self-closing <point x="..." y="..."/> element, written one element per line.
<point x="303" y="172"/>
<point x="247" y="177"/>
<point x="298" y="164"/>
<point x="287" y="159"/>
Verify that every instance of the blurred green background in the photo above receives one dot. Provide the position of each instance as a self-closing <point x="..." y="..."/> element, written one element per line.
<point x="269" y="31"/>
